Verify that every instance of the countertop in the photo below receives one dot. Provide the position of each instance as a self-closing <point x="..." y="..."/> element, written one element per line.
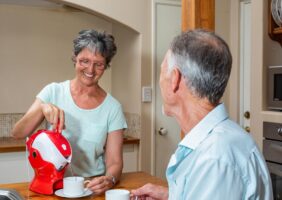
<point x="9" y="144"/>
<point x="128" y="181"/>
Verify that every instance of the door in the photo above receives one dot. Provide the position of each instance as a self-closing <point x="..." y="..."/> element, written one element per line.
<point x="167" y="24"/>
<point x="245" y="63"/>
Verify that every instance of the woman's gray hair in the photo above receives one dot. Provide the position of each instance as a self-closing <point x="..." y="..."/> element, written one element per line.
<point x="98" y="42"/>
<point x="204" y="60"/>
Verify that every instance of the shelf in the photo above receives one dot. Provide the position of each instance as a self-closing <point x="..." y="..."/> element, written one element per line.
<point x="277" y="30"/>
<point x="9" y="144"/>
<point x="272" y="116"/>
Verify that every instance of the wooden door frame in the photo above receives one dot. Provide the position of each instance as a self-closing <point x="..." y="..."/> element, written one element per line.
<point x="197" y="14"/>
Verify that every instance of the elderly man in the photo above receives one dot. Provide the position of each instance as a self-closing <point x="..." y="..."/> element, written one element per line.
<point x="216" y="159"/>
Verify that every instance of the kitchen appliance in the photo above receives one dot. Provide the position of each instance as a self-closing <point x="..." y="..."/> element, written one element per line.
<point x="49" y="153"/>
<point x="9" y="194"/>
<point x="272" y="151"/>
<point x="274" y="100"/>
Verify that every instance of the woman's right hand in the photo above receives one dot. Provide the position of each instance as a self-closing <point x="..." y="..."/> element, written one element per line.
<point x="54" y="115"/>
<point x="34" y="117"/>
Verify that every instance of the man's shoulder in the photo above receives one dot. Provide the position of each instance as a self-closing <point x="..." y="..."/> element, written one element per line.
<point x="230" y="133"/>
<point x="228" y="142"/>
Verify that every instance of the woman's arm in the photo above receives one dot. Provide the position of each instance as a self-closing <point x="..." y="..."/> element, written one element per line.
<point x="34" y="117"/>
<point x="29" y="122"/>
<point x="114" y="164"/>
<point x="114" y="154"/>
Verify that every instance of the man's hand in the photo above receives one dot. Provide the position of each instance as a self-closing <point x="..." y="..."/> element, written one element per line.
<point x="150" y="191"/>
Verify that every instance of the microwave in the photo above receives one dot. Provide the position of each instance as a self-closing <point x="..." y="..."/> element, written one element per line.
<point x="274" y="101"/>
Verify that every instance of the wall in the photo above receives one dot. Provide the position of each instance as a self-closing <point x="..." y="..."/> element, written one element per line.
<point x="126" y="79"/>
<point x="43" y="51"/>
<point x="36" y="47"/>
<point x="257" y="30"/>
<point x="131" y="13"/>
<point x="222" y="18"/>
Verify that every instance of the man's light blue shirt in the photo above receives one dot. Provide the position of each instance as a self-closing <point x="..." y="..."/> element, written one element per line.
<point x="216" y="160"/>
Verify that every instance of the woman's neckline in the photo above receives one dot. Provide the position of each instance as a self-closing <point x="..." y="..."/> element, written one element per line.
<point x="95" y="107"/>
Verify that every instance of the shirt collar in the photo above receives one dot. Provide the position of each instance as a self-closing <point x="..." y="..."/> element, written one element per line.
<point x="204" y="127"/>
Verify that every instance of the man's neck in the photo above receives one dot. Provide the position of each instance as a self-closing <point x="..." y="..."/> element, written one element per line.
<point x="192" y="112"/>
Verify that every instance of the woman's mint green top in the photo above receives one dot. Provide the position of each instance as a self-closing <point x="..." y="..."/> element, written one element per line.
<point x="86" y="129"/>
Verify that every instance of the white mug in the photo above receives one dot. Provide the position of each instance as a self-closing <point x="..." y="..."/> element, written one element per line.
<point x="117" y="194"/>
<point x="74" y="186"/>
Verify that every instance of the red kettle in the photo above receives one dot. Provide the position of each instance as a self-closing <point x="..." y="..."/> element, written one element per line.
<point x="49" y="154"/>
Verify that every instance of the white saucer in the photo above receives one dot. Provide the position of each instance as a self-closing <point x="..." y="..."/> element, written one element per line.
<point x="60" y="193"/>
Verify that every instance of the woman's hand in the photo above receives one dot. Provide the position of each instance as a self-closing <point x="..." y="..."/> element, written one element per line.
<point x="54" y="115"/>
<point x="150" y="191"/>
<point x="99" y="185"/>
<point x="34" y="117"/>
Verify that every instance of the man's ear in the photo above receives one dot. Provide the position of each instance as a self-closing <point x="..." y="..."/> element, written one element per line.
<point x="176" y="78"/>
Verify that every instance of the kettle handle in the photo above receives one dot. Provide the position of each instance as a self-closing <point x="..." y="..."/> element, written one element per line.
<point x="57" y="127"/>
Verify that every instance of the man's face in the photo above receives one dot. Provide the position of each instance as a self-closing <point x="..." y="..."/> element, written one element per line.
<point x="165" y="84"/>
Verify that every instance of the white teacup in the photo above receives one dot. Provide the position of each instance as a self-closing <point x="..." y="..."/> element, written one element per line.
<point x="74" y="186"/>
<point x="117" y="194"/>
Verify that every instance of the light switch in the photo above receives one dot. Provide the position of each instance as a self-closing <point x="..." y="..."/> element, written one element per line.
<point x="146" y="94"/>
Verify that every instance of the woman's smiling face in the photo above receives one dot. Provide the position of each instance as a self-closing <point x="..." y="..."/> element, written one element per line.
<point x="89" y="67"/>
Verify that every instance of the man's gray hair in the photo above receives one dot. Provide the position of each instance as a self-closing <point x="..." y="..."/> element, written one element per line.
<point x="97" y="42"/>
<point x="204" y="60"/>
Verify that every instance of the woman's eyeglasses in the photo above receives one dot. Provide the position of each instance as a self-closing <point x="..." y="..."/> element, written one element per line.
<point x="88" y="63"/>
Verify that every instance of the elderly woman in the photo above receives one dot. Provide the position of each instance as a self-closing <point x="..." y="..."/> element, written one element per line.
<point x="89" y="117"/>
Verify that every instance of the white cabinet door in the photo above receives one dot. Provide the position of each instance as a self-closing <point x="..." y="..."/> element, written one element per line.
<point x="15" y="168"/>
<point x="130" y="158"/>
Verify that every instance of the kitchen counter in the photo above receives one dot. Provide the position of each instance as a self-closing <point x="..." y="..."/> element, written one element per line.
<point x="128" y="181"/>
<point x="9" y="144"/>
